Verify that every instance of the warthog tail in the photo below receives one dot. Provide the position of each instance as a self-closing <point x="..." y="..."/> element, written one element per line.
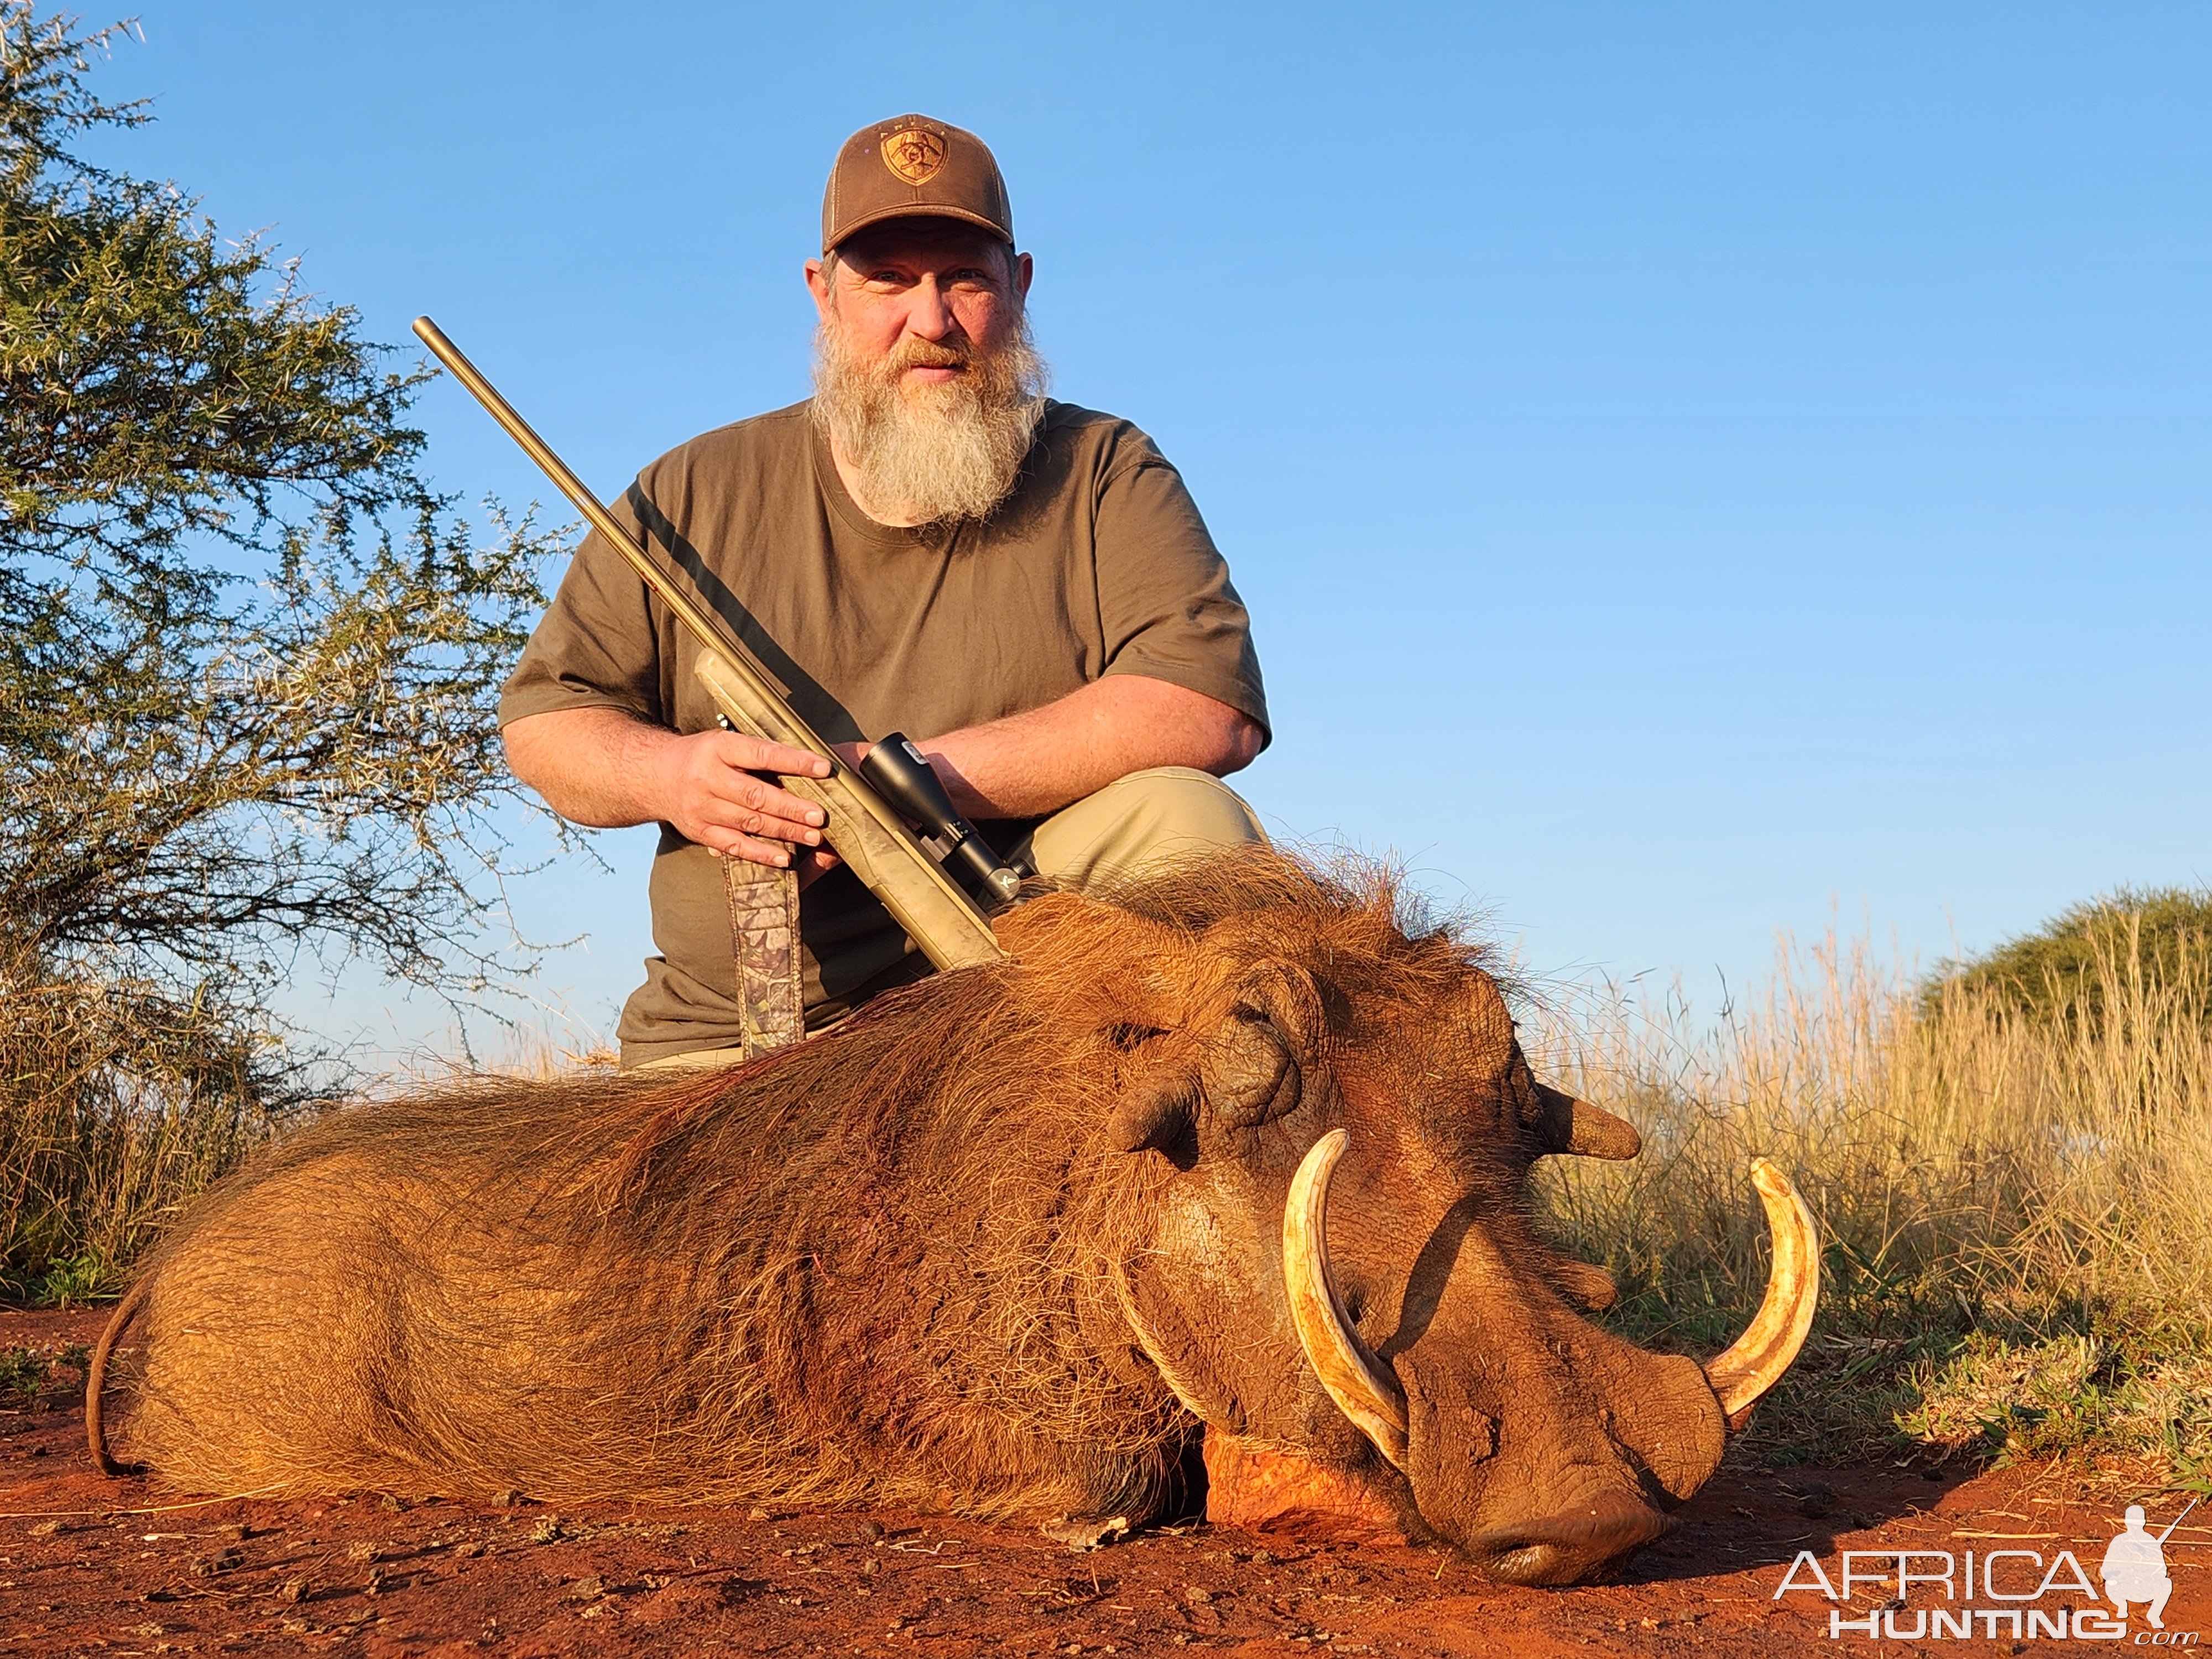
<point x="95" y="1381"/>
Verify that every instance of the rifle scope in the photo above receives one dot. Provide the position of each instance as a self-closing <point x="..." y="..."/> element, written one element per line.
<point x="911" y="788"/>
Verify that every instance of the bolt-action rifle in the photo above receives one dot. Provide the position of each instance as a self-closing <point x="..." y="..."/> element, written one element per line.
<point x="938" y="886"/>
<point x="2180" y="1518"/>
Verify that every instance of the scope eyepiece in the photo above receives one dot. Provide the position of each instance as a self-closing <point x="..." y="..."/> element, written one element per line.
<point x="910" y="786"/>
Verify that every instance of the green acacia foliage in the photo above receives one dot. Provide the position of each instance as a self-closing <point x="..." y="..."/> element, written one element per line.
<point x="2097" y="959"/>
<point x="247" y="657"/>
<point x="248" y="664"/>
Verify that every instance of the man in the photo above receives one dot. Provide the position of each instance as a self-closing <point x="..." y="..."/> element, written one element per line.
<point x="929" y="544"/>
<point x="2135" y="1570"/>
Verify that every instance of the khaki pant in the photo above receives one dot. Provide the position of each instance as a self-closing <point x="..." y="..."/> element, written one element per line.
<point x="1134" y="824"/>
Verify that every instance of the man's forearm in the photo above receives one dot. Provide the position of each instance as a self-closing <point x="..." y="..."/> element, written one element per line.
<point x="602" y="768"/>
<point x="1042" y="759"/>
<point x="593" y="766"/>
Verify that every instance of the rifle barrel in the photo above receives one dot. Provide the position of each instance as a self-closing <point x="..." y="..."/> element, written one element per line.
<point x="706" y="629"/>
<point x="2180" y="1518"/>
<point x="941" y="919"/>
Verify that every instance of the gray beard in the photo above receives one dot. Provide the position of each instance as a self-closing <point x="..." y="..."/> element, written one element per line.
<point x="931" y="453"/>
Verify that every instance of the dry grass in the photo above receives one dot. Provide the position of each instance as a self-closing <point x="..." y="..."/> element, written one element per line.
<point x="118" y="1104"/>
<point x="2016" y="1208"/>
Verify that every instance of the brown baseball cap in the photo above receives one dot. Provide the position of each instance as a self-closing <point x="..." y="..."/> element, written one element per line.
<point x="911" y="166"/>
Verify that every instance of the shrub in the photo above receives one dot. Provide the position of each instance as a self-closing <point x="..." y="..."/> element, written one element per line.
<point x="118" y="1104"/>
<point x="249" y="660"/>
<point x="2062" y="970"/>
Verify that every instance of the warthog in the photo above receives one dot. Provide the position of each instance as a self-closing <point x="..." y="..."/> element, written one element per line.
<point x="1245" y="1151"/>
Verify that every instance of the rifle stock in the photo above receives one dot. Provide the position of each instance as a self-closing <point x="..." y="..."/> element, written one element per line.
<point x="862" y="830"/>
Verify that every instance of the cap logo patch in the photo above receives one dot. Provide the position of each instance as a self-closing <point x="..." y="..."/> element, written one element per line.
<point x="913" y="155"/>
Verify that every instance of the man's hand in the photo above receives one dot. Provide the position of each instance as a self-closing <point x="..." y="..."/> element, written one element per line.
<point x="600" y="767"/>
<point x="707" y="788"/>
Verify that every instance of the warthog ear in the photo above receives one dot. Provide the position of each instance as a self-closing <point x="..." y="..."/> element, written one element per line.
<point x="1563" y="1124"/>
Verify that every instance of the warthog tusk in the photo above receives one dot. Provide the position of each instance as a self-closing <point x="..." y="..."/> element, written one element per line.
<point x="1363" y="1390"/>
<point x="1757" y="1359"/>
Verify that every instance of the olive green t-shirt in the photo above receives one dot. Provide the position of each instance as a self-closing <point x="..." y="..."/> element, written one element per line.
<point x="1098" y="563"/>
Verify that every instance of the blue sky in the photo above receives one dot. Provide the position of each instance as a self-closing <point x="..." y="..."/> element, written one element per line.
<point x="1694" y="468"/>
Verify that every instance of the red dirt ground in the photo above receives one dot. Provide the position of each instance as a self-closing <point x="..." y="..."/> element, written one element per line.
<point x="122" y="1567"/>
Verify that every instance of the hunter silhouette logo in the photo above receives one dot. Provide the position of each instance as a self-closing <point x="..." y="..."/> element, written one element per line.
<point x="913" y="155"/>
<point x="2135" y="1567"/>
<point x="2023" y="1596"/>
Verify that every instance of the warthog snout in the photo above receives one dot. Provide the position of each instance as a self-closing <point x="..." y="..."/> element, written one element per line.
<point x="1568" y="1544"/>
